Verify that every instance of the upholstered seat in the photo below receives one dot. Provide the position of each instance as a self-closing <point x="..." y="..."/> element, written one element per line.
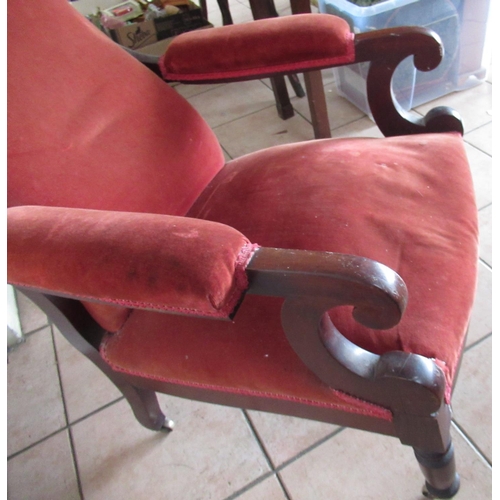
<point x="210" y="280"/>
<point x="337" y="196"/>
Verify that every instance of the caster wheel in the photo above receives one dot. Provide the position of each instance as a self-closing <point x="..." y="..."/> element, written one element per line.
<point x="429" y="492"/>
<point x="168" y="426"/>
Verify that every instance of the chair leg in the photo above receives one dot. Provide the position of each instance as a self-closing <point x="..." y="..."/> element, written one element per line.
<point x="441" y="478"/>
<point x="283" y="104"/>
<point x="85" y="335"/>
<point x="297" y="87"/>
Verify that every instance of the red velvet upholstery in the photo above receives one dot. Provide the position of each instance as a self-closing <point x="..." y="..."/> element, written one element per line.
<point x="299" y="43"/>
<point x="389" y="200"/>
<point x="147" y="261"/>
<point x="90" y="128"/>
<point x="249" y="357"/>
<point x="104" y="143"/>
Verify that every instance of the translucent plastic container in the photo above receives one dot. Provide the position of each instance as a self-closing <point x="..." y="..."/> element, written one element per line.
<point x="461" y="24"/>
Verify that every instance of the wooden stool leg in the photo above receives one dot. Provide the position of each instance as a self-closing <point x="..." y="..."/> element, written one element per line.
<point x="225" y="12"/>
<point x="441" y="478"/>
<point x="297" y="87"/>
<point x="317" y="104"/>
<point x="283" y="104"/>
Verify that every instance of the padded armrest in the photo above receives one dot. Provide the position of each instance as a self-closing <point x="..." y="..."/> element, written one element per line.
<point x="259" y="49"/>
<point x="147" y="261"/>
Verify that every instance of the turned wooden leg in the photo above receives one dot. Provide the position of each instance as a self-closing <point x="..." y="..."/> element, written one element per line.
<point x="441" y="478"/>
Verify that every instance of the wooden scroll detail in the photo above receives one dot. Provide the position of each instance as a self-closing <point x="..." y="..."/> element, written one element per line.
<point x="315" y="282"/>
<point x="385" y="49"/>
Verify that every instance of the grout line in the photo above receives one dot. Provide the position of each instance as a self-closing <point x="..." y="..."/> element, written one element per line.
<point x="470" y="442"/>
<point x="486" y="206"/>
<point x="70" y="435"/>
<point x="310" y="448"/>
<point x="36" y="330"/>
<point x="487" y="264"/>
<point x="36" y="443"/>
<point x="474" y="146"/>
<point x="260" y="442"/>
<point x="276" y="470"/>
<point x="98" y="410"/>
<point x="66" y="427"/>
<point x="250" y="485"/>
<point x="242" y="116"/>
<point x="477" y="342"/>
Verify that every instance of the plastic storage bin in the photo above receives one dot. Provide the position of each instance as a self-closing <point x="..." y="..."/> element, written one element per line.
<point x="461" y="24"/>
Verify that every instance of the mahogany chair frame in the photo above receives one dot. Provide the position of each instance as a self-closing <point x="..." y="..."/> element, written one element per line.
<point x="410" y="386"/>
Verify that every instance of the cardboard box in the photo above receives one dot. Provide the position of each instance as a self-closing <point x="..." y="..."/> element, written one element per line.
<point x="137" y="35"/>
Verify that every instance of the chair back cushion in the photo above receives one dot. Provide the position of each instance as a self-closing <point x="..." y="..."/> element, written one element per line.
<point x="90" y="127"/>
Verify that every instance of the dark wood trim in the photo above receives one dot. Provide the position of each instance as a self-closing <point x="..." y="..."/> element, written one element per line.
<point x="411" y="386"/>
<point x="385" y="49"/>
<point x="83" y="333"/>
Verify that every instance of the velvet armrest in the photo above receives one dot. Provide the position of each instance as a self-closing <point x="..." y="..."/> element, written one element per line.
<point x="258" y="49"/>
<point x="158" y="262"/>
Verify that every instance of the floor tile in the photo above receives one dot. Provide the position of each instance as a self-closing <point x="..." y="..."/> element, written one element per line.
<point x="30" y="314"/>
<point x="45" y="471"/>
<point x="340" y="110"/>
<point x="481" y="318"/>
<point x="267" y="129"/>
<point x="363" y="127"/>
<point x="84" y="386"/>
<point x="472" y="398"/>
<point x="229" y="102"/>
<point x="35" y="408"/>
<point x="356" y="464"/>
<point x="210" y="454"/>
<point x="481" y="170"/>
<point x="474" y="105"/>
<point x="190" y="90"/>
<point x="269" y="489"/>
<point x="485" y="234"/>
<point x="285" y="437"/>
<point x="481" y="138"/>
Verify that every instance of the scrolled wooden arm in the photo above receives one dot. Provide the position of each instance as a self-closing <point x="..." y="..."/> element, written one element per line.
<point x="312" y="283"/>
<point x="385" y="49"/>
<point x="378" y="294"/>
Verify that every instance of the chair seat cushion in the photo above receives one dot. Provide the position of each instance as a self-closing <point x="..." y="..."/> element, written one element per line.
<point x="405" y="202"/>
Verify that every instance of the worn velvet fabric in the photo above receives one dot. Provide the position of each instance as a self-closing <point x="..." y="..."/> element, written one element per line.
<point x="90" y="128"/>
<point x="147" y="261"/>
<point x="260" y="48"/>
<point x="390" y="200"/>
<point x="407" y="202"/>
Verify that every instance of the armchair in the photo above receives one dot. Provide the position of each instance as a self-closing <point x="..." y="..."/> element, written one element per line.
<point x="330" y="280"/>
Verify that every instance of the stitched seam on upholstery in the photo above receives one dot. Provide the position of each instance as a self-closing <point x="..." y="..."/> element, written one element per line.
<point x="130" y="303"/>
<point x="378" y="412"/>
<point x="442" y="364"/>
<point x="240" y="277"/>
<point x="344" y="58"/>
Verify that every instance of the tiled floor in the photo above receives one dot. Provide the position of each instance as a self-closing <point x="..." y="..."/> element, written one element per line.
<point x="71" y="435"/>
